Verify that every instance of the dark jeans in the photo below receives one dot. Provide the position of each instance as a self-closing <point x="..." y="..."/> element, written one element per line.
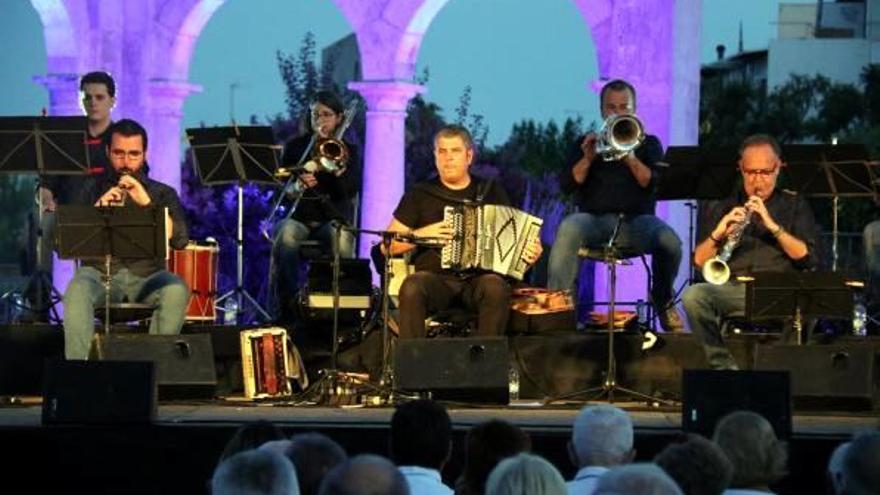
<point x="707" y="306"/>
<point x="423" y="293"/>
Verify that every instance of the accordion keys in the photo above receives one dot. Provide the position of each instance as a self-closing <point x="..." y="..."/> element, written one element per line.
<point x="269" y="362"/>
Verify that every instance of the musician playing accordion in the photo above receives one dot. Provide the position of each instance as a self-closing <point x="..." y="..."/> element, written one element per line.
<point x="420" y="213"/>
<point x="779" y="236"/>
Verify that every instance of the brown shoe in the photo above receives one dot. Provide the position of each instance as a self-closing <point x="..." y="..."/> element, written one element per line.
<point x="670" y="320"/>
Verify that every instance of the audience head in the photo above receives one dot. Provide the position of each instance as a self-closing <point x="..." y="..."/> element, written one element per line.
<point x="254" y="472"/>
<point x="525" y="473"/>
<point x="861" y="465"/>
<point x="697" y="465"/>
<point x="365" y="474"/>
<point x="748" y="440"/>
<point x="834" y="474"/>
<point x="421" y="434"/>
<point x="313" y="455"/>
<point x="251" y="436"/>
<point x="602" y="436"/>
<point x="486" y="445"/>
<point x="636" y="479"/>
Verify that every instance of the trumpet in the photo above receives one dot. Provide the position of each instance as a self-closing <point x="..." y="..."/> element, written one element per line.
<point x="619" y="135"/>
<point x="716" y="270"/>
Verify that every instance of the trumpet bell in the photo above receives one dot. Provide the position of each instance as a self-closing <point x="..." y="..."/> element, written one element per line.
<point x="620" y="134"/>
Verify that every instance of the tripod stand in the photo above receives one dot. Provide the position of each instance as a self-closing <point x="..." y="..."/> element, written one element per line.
<point x="46" y="146"/>
<point x="236" y="155"/>
<point x="611" y="257"/>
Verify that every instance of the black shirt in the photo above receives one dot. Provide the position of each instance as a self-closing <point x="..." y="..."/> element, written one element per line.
<point x="331" y="199"/>
<point x="65" y="188"/>
<point x="610" y="187"/>
<point x="759" y="250"/>
<point x="161" y="195"/>
<point x="423" y="205"/>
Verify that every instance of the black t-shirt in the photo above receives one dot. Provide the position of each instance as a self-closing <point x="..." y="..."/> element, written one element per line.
<point x="610" y="186"/>
<point x="332" y="198"/>
<point x="65" y="188"/>
<point x="423" y="205"/>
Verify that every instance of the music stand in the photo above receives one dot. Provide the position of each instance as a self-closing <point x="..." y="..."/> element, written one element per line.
<point x="831" y="171"/>
<point x="693" y="173"/>
<point x="43" y="146"/>
<point x="795" y="296"/>
<point x="111" y="233"/>
<point x="235" y="155"/>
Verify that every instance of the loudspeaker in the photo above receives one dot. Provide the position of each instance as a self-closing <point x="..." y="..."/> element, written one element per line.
<point x="455" y="368"/>
<point x="709" y="395"/>
<point x="825" y="375"/>
<point x="99" y="392"/>
<point x="184" y="363"/>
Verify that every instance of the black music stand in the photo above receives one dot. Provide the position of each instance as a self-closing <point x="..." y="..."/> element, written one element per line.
<point x="43" y="146"/>
<point x="111" y="233"/>
<point x="831" y="171"/>
<point x="792" y="297"/>
<point x="693" y="173"/>
<point x="236" y="155"/>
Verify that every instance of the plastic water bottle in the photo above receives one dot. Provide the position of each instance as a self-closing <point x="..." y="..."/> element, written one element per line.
<point x="642" y="313"/>
<point x="513" y="384"/>
<point x="860" y="319"/>
<point x="230" y="311"/>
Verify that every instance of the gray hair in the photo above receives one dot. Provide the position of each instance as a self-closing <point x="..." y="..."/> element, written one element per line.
<point x="255" y="472"/>
<point x="758" y="457"/>
<point x="835" y="467"/>
<point x="365" y="474"/>
<point x="861" y="465"/>
<point x="602" y="436"/>
<point x="313" y="455"/>
<point x="636" y="479"/>
<point x="525" y="473"/>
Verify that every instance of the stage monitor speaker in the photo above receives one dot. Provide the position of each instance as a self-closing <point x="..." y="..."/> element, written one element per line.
<point x="184" y="363"/>
<point x="458" y="369"/>
<point x="709" y="395"/>
<point x="99" y="392"/>
<point x="825" y="376"/>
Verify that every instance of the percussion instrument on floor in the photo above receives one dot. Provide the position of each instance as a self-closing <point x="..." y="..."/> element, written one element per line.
<point x="197" y="266"/>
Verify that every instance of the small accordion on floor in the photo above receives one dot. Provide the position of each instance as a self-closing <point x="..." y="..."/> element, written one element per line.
<point x="270" y="362"/>
<point x="489" y="237"/>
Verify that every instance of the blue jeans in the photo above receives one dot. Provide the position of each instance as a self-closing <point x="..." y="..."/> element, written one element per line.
<point x="284" y="264"/>
<point x="707" y="306"/>
<point x="166" y="291"/>
<point x="871" y="242"/>
<point x="641" y="234"/>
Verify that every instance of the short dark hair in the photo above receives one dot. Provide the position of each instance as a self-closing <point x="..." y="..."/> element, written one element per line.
<point x="697" y="465"/>
<point x="99" y="77"/>
<point x="617" y="85"/>
<point x="486" y="445"/>
<point x="329" y="99"/>
<point x="248" y="436"/>
<point x="313" y="455"/>
<point x="127" y="128"/>
<point x="421" y="434"/>
<point x="455" y="130"/>
<point x="761" y="140"/>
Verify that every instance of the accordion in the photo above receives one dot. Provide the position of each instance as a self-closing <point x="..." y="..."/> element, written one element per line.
<point x="488" y="237"/>
<point x="269" y="362"/>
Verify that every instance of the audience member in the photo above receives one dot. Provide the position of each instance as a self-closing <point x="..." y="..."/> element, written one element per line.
<point x="636" y="479"/>
<point x="313" y="455"/>
<point x="254" y="472"/>
<point x="697" y="465"/>
<point x="834" y="473"/>
<point x="758" y="457"/>
<point x="525" y="474"/>
<point x="420" y="444"/>
<point x="250" y="436"/>
<point x="861" y="465"/>
<point x="602" y="437"/>
<point x="486" y="445"/>
<point x="365" y="474"/>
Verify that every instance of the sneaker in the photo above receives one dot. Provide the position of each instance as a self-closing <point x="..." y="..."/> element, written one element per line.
<point x="670" y="320"/>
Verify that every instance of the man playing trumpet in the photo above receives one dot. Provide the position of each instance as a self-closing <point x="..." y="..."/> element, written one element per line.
<point x="779" y="236"/>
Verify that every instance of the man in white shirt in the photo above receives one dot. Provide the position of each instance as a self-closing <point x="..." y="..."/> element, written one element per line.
<point x="420" y="443"/>
<point x="601" y="438"/>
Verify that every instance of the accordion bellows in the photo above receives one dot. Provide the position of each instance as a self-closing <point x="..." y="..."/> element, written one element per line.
<point x="489" y="237"/>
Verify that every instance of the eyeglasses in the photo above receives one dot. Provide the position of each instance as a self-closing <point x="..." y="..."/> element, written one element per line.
<point x="122" y="154"/>
<point x="765" y="173"/>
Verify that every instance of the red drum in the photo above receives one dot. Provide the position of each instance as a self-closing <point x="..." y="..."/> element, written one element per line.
<point x="197" y="266"/>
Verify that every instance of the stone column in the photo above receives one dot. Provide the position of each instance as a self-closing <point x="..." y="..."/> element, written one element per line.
<point x="163" y="127"/>
<point x="383" y="153"/>
<point x="63" y="94"/>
